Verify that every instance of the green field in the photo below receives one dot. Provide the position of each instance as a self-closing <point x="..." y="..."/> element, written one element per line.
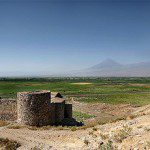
<point x="135" y="91"/>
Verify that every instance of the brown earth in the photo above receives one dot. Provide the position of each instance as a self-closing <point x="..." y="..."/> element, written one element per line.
<point x="132" y="133"/>
<point x="82" y="83"/>
<point x="101" y="111"/>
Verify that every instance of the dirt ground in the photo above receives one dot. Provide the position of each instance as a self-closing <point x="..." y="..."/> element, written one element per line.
<point x="82" y="83"/>
<point x="138" y="121"/>
<point x="130" y="134"/>
<point x="101" y="111"/>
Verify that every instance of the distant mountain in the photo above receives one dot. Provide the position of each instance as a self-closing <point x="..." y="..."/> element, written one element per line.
<point x="107" y="68"/>
<point x="110" y="68"/>
<point x="108" y="63"/>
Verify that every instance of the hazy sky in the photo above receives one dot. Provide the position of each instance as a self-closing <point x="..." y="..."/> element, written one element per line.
<point x="56" y="35"/>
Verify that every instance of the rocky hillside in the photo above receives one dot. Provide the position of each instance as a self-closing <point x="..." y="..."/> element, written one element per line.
<point x="133" y="133"/>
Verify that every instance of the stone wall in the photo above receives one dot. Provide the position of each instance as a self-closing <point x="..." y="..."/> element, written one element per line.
<point x="68" y="111"/>
<point x="52" y="114"/>
<point x="33" y="108"/>
<point x="36" y="109"/>
<point x="59" y="112"/>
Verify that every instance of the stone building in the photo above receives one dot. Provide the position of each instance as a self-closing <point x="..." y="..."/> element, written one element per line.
<point x="39" y="109"/>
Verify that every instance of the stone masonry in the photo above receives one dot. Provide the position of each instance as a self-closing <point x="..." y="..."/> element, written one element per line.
<point x="36" y="109"/>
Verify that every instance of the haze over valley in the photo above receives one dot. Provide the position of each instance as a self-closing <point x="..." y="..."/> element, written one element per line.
<point x="111" y="68"/>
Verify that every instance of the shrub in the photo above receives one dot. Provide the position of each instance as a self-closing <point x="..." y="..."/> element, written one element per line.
<point x="86" y="141"/>
<point x="14" y="127"/>
<point x="94" y="129"/>
<point x="123" y="134"/>
<point x="81" y="116"/>
<point x="3" y="123"/>
<point x="7" y="144"/>
<point x="104" y="136"/>
<point x="108" y="146"/>
<point x="35" y="148"/>
<point x="74" y="128"/>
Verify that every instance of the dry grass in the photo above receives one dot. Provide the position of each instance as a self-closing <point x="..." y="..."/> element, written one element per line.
<point x="132" y="116"/>
<point x="82" y="83"/>
<point x="108" y="146"/>
<point x="148" y="144"/>
<point x="14" y="127"/>
<point x="86" y="142"/>
<point x="7" y="144"/>
<point x="3" y="123"/>
<point x="87" y="126"/>
<point x="122" y="134"/>
<point x="104" y="136"/>
<point x="94" y="123"/>
<point x="35" y="148"/>
<point x="61" y="128"/>
<point x="74" y="128"/>
<point x="94" y="129"/>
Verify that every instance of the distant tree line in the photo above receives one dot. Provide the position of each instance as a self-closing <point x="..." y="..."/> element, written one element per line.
<point x="81" y="79"/>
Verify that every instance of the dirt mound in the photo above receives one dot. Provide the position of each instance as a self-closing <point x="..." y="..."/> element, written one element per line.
<point x="130" y="134"/>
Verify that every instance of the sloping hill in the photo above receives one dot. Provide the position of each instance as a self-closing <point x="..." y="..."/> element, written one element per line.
<point x="110" y="68"/>
<point x="131" y="133"/>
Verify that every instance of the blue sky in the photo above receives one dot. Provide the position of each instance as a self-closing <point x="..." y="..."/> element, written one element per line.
<point x="54" y="36"/>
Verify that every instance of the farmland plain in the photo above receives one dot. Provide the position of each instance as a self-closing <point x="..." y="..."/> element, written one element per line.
<point x="101" y="104"/>
<point x="135" y="91"/>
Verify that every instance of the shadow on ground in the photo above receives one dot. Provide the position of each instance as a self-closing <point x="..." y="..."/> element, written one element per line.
<point x="70" y="122"/>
